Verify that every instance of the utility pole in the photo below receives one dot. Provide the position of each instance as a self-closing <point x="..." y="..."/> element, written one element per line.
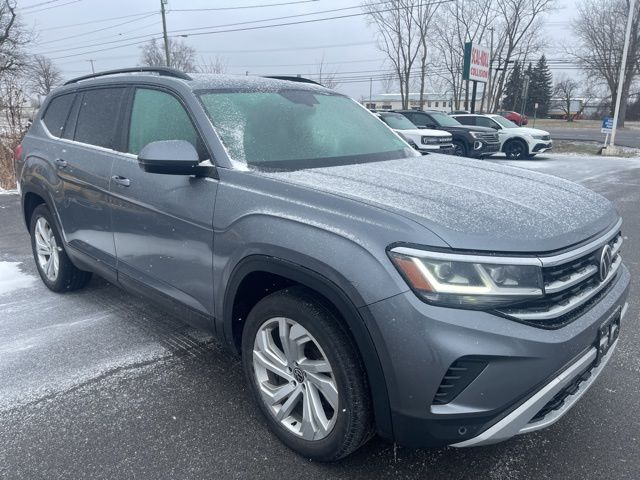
<point x="164" y="33"/>
<point x="623" y="66"/>
<point x="93" y="70"/>
<point x="489" y="102"/>
<point x="370" y="89"/>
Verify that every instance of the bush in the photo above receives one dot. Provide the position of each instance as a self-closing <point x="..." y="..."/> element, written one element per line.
<point x="8" y="144"/>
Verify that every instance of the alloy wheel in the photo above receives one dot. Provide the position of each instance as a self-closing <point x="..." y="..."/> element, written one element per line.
<point x="295" y="378"/>
<point x="47" y="249"/>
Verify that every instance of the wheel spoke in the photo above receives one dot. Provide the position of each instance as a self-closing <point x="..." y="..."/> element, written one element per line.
<point x="49" y="267"/>
<point x="283" y="332"/>
<point x="275" y="395"/>
<point x="41" y="248"/>
<point x="317" y="410"/>
<point x="40" y="228"/>
<point x="326" y="387"/>
<point x="289" y="405"/>
<point x="262" y="360"/>
<point x="315" y="366"/>
<point x="308" y="429"/>
<point x="298" y="336"/>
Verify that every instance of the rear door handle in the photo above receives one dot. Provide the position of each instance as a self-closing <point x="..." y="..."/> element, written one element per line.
<point x="122" y="181"/>
<point x="61" y="163"/>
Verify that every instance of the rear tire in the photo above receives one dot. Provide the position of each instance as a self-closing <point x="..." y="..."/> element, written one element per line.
<point x="53" y="264"/>
<point x="315" y="397"/>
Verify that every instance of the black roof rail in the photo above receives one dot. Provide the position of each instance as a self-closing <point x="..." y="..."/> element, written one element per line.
<point x="163" y="71"/>
<point x="293" y="79"/>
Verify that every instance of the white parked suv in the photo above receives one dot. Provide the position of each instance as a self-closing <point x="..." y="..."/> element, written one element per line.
<point x="516" y="142"/>
<point x="425" y="141"/>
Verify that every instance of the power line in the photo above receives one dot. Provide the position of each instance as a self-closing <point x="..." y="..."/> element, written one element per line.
<point x="102" y="20"/>
<point x="240" y="7"/>
<point x="258" y="27"/>
<point x="34" y="5"/>
<point x="105" y="28"/>
<point x="49" y="8"/>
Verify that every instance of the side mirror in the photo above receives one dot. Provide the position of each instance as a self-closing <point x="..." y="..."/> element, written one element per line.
<point x="432" y="126"/>
<point x="170" y="157"/>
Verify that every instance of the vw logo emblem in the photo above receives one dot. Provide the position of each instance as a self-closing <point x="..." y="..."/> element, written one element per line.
<point x="298" y="374"/>
<point x="605" y="263"/>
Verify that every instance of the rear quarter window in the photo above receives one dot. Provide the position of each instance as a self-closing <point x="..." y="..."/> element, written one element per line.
<point x="55" y="117"/>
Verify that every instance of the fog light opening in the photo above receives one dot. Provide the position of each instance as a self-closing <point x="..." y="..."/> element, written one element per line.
<point x="477" y="145"/>
<point x="462" y="431"/>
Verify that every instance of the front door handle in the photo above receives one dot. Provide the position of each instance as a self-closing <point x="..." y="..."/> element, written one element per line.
<point x="122" y="181"/>
<point x="61" y="163"/>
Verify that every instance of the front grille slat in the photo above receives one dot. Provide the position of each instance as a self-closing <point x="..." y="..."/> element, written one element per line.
<point x="569" y="285"/>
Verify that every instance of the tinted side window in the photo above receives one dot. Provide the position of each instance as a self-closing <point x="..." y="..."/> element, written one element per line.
<point x="486" y="122"/>
<point x="466" y="120"/>
<point x="98" y="117"/>
<point x="158" y="115"/>
<point x="57" y="112"/>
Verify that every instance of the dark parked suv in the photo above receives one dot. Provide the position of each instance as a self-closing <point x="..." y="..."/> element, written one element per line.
<point x="431" y="300"/>
<point x="468" y="141"/>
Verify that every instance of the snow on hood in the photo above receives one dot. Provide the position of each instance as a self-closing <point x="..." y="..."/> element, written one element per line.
<point x="425" y="132"/>
<point x="527" y="131"/>
<point x="470" y="204"/>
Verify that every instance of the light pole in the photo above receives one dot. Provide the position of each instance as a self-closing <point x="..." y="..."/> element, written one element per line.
<point x="611" y="149"/>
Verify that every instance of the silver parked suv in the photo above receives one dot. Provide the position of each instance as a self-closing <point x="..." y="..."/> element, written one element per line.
<point x="431" y="300"/>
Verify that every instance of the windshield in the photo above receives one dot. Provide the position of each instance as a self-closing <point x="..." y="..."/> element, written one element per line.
<point x="397" y="121"/>
<point x="504" y="122"/>
<point x="290" y="129"/>
<point x="444" y="120"/>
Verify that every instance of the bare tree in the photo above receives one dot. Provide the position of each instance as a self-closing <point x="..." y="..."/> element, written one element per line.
<point x="398" y="37"/>
<point x="566" y="90"/>
<point x="216" y="64"/>
<point x="458" y="23"/>
<point x="181" y="55"/>
<point x="388" y="82"/>
<point x="44" y="75"/>
<point x="517" y="24"/>
<point x="13" y="39"/>
<point x="325" y="76"/>
<point x="423" y="15"/>
<point x="600" y="27"/>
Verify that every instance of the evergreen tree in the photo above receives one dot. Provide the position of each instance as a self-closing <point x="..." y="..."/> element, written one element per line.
<point x="513" y="88"/>
<point x="540" y="88"/>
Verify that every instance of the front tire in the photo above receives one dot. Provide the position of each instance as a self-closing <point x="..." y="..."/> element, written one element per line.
<point x="459" y="149"/>
<point x="306" y="375"/>
<point x="516" y="150"/>
<point x="54" y="266"/>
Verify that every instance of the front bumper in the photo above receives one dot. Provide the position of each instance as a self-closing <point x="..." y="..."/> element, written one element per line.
<point x="483" y="149"/>
<point x="541" y="147"/>
<point x="526" y="366"/>
<point x="446" y="148"/>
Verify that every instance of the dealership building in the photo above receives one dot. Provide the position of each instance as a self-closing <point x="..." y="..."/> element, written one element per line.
<point x="392" y="101"/>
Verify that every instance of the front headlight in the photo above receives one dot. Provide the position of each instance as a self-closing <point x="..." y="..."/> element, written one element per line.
<point x="539" y="137"/>
<point x="476" y="134"/>
<point x="468" y="281"/>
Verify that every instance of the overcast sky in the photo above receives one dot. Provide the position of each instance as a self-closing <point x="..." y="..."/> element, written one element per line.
<point x="347" y="44"/>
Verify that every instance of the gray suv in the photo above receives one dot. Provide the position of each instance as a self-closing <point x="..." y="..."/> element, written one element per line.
<point x="368" y="290"/>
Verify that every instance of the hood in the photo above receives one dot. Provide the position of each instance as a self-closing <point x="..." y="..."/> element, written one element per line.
<point x="425" y="133"/>
<point x="527" y="131"/>
<point x="470" y="204"/>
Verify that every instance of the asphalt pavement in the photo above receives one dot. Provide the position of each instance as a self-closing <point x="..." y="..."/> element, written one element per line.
<point x="625" y="137"/>
<point x="99" y="384"/>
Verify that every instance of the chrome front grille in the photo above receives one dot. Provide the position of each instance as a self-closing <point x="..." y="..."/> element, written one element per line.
<point x="489" y="137"/>
<point x="571" y="282"/>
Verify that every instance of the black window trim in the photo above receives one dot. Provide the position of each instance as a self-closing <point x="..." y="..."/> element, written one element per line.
<point x="126" y="118"/>
<point x="66" y="120"/>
